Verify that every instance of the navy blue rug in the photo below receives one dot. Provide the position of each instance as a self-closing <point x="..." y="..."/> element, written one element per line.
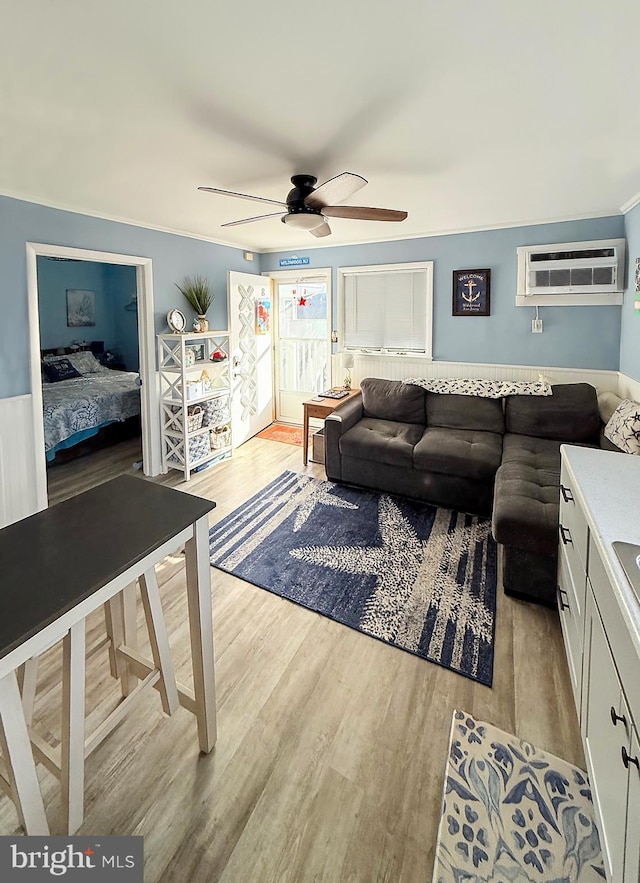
<point x="413" y="575"/>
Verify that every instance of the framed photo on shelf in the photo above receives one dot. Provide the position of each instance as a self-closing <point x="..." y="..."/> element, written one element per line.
<point x="198" y="351"/>
<point x="471" y="292"/>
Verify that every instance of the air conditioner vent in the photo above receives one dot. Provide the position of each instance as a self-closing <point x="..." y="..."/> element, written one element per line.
<point x="575" y="255"/>
<point x="571" y="273"/>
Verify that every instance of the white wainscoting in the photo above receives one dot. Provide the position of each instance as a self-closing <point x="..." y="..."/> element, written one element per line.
<point x="401" y="367"/>
<point x="18" y="478"/>
<point x="628" y="388"/>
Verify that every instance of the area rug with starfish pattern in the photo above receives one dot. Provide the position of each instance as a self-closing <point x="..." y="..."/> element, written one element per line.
<point x="512" y="812"/>
<point x="416" y="576"/>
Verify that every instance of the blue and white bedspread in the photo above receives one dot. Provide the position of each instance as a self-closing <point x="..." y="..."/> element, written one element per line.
<point x="76" y="407"/>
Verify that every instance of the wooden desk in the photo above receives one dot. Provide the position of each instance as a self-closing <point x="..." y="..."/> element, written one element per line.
<point x="321" y="409"/>
<point x="61" y="564"/>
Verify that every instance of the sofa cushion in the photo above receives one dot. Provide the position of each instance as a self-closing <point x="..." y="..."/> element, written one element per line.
<point x="570" y="414"/>
<point x="463" y="452"/>
<point x="384" y="441"/>
<point x="464" y="412"/>
<point x="526" y="505"/>
<point x="393" y="400"/>
<point x="541" y="453"/>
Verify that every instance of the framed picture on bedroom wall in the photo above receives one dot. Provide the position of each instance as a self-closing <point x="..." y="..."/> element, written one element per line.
<point x="471" y="292"/>
<point x="81" y="308"/>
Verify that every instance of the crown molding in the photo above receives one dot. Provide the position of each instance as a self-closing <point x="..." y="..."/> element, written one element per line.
<point x="128" y="221"/>
<point x="630" y="203"/>
<point x="453" y="231"/>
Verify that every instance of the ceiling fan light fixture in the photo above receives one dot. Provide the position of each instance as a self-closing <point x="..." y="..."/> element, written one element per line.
<point x="303" y="220"/>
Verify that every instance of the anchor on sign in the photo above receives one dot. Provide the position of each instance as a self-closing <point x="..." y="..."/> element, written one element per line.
<point x="471" y="297"/>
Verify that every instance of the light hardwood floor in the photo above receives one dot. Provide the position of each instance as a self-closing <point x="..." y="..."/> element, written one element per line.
<point x="331" y="749"/>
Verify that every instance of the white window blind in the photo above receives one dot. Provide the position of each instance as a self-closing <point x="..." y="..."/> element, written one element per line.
<point x="386" y="309"/>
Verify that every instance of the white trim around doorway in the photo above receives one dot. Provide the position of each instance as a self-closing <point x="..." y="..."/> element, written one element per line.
<point x="149" y="402"/>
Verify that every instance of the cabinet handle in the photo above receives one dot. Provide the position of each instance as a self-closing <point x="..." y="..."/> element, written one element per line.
<point x="615" y="717"/>
<point x="562" y="604"/>
<point x="565" y="535"/>
<point x="626" y="759"/>
<point x="566" y="494"/>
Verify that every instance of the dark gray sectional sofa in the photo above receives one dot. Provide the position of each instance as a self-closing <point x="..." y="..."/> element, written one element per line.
<point x="493" y="457"/>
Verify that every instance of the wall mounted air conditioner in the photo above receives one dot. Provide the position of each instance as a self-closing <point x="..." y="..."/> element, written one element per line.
<point x="571" y="273"/>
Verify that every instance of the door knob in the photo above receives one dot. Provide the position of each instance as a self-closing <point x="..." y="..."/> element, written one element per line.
<point x="565" y="535"/>
<point x="615" y="717"/>
<point x="626" y="759"/>
<point x="566" y="494"/>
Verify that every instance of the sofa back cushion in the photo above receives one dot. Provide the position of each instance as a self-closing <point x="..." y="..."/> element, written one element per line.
<point x="570" y="414"/>
<point x="452" y="411"/>
<point x="393" y="400"/>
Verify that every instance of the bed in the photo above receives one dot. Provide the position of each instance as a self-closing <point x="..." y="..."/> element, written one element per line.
<point x="84" y="397"/>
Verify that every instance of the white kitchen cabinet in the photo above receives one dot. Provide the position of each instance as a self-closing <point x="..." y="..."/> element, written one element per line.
<point x="606" y="730"/>
<point x="600" y="617"/>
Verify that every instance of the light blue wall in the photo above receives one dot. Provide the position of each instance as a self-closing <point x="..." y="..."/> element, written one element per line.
<point x="120" y="286"/>
<point x="54" y="278"/>
<point x="630" y="322"/>
<point x="575" y="337"/>
<point x="174" y="257"/>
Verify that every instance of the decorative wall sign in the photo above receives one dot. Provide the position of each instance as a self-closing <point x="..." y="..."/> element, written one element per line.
<point x="294" y="261"/>
<point x="637" y="304"/>
<point x="471" y="292"/>
<point x="81" y="308"/>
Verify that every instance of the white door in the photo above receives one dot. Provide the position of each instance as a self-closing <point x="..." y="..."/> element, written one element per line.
<point x="302" y="341"/>
<point x="251" y="359"/>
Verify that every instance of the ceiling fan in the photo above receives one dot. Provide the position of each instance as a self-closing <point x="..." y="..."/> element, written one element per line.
<point x="308" y="206"/>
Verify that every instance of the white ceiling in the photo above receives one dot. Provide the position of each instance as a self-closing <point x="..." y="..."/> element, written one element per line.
<point x="466" y="114"/>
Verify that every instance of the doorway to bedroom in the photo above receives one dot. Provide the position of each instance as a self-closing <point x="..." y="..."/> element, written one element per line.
<point x="88" y="317"/>
<point x="92" y="343"/>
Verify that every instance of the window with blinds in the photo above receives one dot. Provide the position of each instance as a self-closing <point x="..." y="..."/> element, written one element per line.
<point x="387" y="308"/>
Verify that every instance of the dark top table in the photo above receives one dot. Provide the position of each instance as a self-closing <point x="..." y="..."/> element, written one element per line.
<point x="53" y="560"/>
<point x="59" y="565"/>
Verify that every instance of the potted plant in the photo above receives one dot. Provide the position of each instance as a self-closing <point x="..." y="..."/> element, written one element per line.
<point x="197" y="291"/>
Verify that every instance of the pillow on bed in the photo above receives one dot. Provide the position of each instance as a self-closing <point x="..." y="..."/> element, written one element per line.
<point x="84" y="362"/>
<point x="61" y="369"/>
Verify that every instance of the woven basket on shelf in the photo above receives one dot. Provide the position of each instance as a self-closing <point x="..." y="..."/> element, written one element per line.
<point x="194" y="418"/>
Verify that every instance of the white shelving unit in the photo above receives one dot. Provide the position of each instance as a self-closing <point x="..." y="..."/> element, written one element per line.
<point x="195" y="390"/>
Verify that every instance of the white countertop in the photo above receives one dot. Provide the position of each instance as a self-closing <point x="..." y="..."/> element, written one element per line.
<point x="608" y="487"/>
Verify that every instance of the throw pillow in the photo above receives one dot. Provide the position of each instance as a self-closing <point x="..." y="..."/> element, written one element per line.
<point x="61" y="369"/>
<point x="623" y="429"/>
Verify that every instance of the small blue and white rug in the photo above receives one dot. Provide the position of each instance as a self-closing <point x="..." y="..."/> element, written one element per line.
<point x="410" y="574"/>
<point x="513" y="813"/>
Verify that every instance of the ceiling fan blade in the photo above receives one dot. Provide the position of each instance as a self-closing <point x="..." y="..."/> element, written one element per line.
<point x="242" y="196"/>
<point x="249" y="220"/>
<point x="358" y="212"/>
<point x="335" y="190"/>
<point x="322" y="230"/>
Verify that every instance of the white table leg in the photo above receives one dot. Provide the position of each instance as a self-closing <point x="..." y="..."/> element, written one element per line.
<point x="159" y="640"/>
<point x="115" y="617"/>
<point x="72" y="745"/>
<point x="16" y="747"/>
<point x="27" y="682"/>
<point x="201" y="632"/>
